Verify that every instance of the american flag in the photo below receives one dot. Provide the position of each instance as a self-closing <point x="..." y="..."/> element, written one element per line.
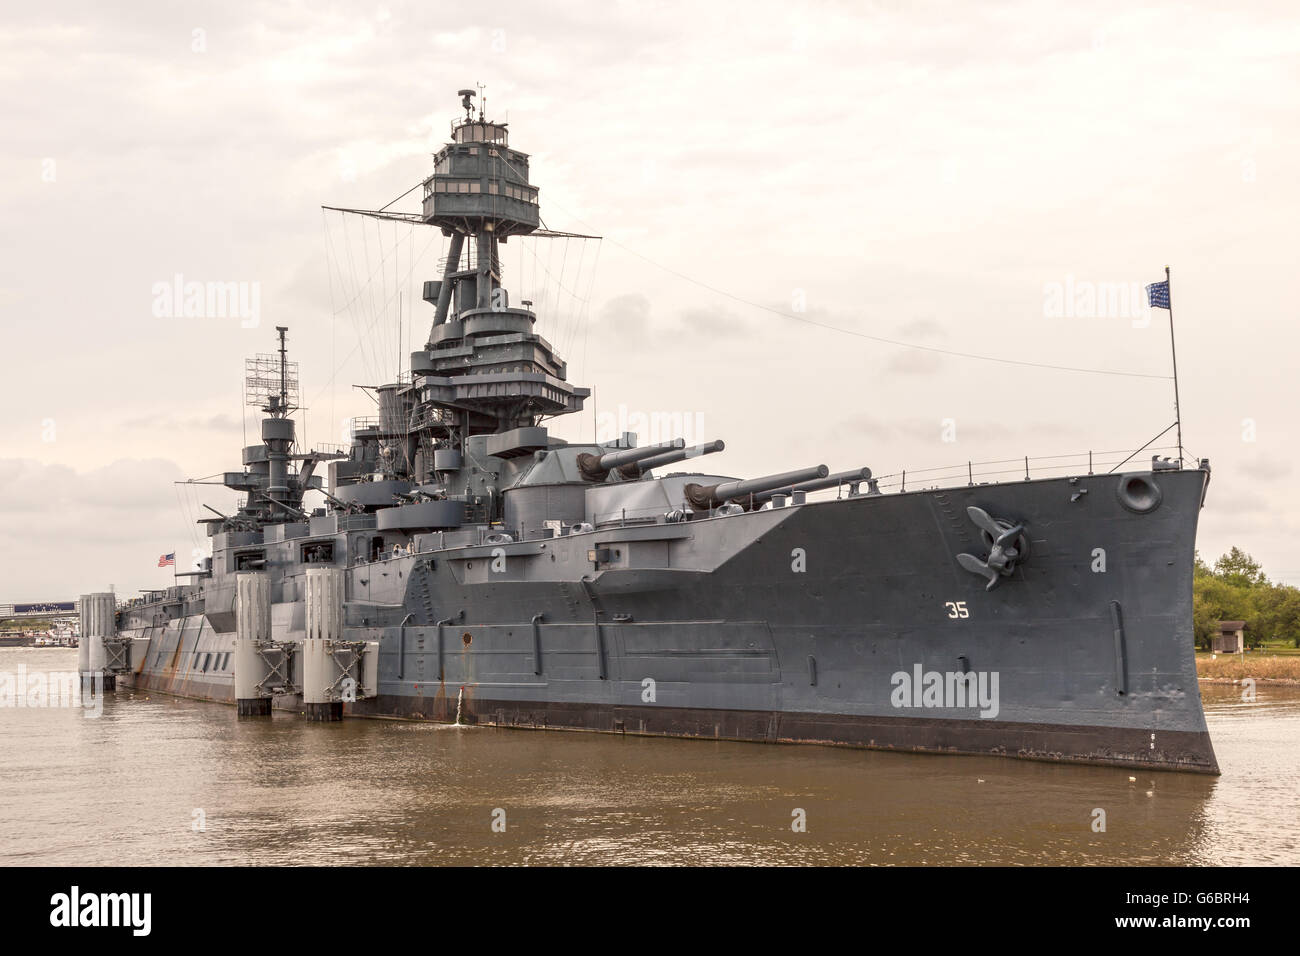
<point x="1158" y="295"/>
<point x="167" y="559"/>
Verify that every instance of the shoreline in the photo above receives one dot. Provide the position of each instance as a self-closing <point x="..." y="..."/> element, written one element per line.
<point x="1281" y="669"/>
<point x="1281" y="681"/>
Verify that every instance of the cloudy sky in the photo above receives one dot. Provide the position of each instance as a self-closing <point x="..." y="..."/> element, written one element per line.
<point x="780" y="187"/>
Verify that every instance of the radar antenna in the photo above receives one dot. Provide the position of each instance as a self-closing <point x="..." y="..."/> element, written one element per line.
<point x="271" y="381"/>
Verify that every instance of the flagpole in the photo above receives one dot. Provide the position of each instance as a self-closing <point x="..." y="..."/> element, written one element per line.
<point x="1173" y="349"/>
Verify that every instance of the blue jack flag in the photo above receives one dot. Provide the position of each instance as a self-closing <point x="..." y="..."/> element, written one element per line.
<point x="1158" y="295"/>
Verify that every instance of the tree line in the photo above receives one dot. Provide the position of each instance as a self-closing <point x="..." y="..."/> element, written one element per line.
<point x="1235" y="589"/>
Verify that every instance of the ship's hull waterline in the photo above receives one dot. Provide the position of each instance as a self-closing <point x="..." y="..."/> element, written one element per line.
<point x="844" y="622"/>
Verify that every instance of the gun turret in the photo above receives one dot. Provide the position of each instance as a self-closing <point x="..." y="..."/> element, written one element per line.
<point x="638" y="468"/>
<point x="853" y="477"/>
<point x="598" y="467"/>
<point x="349" y="507"/>
<point x="703" y="497"/>
<point x="233" y="521"/>
<point x="296" y="512"/>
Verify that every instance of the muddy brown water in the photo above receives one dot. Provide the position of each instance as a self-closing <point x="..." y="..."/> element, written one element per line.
<point x="158" y="780"/>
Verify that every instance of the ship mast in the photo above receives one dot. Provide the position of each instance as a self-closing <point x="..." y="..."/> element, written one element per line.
<point x="284" y="387"/>
<point x="484" y="371"/>
<point x="484" y="368"/>
<point x="271" y="383"/>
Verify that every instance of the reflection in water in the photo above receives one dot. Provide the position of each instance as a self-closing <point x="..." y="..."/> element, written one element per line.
<point x="127" y="788"/>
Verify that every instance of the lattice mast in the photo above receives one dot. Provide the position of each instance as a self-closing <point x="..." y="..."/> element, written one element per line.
<point x="271" y="384"/>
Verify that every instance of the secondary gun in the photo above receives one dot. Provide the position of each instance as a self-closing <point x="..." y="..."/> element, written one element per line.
<point x="296" y="512"/>
<point x="234" y="521"/>
<point x="350" y="507"/>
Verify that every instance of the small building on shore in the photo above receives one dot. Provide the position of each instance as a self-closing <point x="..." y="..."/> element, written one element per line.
<point x="1231" y="638"/>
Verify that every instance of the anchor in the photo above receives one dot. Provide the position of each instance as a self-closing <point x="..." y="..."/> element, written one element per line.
<point x="999" y="535"/>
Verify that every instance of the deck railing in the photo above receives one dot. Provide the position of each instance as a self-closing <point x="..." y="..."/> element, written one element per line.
<point x="1023" y="469"/>
<point x="966" y="473"/>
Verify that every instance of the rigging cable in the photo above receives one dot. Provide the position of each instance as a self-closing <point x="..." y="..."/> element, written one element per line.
<point x="862" y="335"/>
<point x="897" y="343"/>
<point x="887" y="341"/>
<point x="361" y="338"/>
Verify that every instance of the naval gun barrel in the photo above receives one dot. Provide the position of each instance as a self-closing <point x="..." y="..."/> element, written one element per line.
<point x="853" y="476"/>
<point x="296" y="512"/>
<point x="347" y="506"/>
<point x="703" y="497"/>
<point x="597" y="467"/>
<point x="639" y="468"/>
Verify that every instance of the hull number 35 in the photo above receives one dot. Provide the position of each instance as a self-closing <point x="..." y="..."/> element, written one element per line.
<point x="956" y="609"/>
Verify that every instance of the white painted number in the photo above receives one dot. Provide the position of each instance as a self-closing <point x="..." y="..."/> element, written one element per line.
<point x="956" y="609"/>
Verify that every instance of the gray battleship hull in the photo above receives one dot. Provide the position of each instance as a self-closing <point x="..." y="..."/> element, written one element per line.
<point x="844" y="622"/>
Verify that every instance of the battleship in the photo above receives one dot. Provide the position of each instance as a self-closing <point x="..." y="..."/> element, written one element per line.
<point x="466" y="565"/>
